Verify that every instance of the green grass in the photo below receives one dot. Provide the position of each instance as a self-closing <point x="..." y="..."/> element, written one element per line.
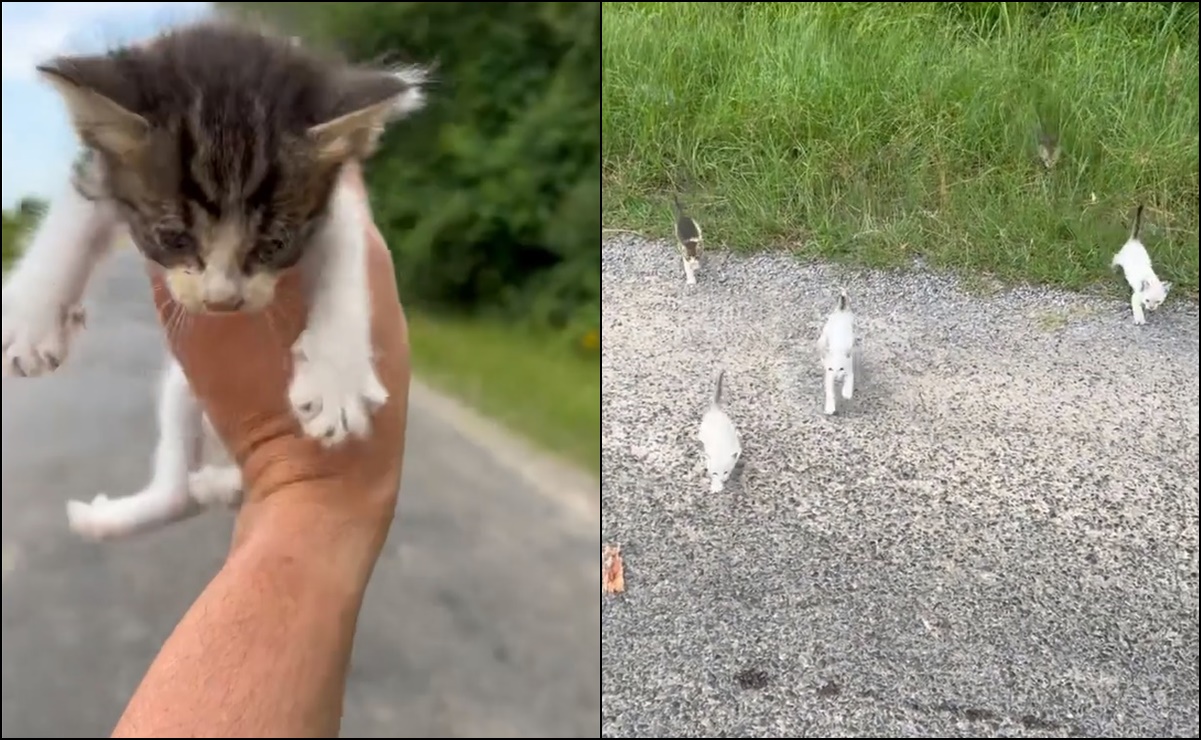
<point x="530" y="382"/>
<point x="877" y="132"/>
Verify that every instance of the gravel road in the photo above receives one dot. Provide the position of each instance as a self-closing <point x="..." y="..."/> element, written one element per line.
<point x="996" y="537"/>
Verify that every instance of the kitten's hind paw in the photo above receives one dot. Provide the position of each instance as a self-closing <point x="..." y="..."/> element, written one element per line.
<point x="87" y="519"/>
<point x="333" y="394"/>
<point x="37" y="336"/>
<point x="213" y="485"/>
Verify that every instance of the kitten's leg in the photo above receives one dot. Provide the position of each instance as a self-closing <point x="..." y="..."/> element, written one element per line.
<point x="216" y="484"/>
<point x="165" y="499"/>
<point x="41" y="303"/>
<point x="829" y="393"/>
<point x="689" y="275"/>
<point x="848" y="382"/>
<point x="334" y="387"/>
<point x="1136" y="305"/>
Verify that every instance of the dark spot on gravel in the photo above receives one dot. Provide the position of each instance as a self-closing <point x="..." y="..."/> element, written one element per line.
<point x="752" y="679"/>
<point x="829" y="690"/>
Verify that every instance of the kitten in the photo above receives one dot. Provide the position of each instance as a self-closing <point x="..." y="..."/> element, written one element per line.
<point x="1048" y="149"/>
<point x="689" y="242"/>
<point x="720" y="440"/>
<point x="1148" y="291"/>
<point x="836" y="343"/>
<point x="221" y="150"/>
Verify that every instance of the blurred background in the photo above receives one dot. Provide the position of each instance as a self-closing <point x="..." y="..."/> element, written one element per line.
<point x="483" y="618"/>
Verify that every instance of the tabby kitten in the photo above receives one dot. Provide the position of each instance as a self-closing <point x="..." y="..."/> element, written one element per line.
<point x="220" y="149"/>
<point x="689" y="241"/>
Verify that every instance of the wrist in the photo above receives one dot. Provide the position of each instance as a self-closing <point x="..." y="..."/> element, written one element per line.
<point x="297" y="529"/>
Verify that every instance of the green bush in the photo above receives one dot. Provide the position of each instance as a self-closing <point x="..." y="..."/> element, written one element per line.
<point x="18" y="223"/>
<point x="490" y="197"/>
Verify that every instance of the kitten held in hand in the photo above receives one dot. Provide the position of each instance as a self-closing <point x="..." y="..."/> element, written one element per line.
<point x="221" y="150"/>
<point x="836" y="343"/>
<point x="689" y="241"/>
<point x="720" y="440"/>
<point x="1147" y="291"/>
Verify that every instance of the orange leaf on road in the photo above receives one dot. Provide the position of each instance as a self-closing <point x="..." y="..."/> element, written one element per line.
<point x="613" y="571"/>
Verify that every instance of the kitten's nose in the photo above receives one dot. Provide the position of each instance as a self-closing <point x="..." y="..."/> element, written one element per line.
<point x="226" y="306"/>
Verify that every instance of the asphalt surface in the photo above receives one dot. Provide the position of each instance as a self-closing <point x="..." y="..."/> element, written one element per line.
<point x="481" y="620"/>
<point x="996" y="538"/>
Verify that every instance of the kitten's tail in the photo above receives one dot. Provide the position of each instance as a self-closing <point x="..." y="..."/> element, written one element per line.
<point x="717" y="384"/>
<point x="1138" y="223"/>
<point x="675" y="201"/>
<point x="843" y="301"/>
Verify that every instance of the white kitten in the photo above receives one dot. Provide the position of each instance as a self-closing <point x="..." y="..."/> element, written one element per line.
<point x="836" y="343"/>
<point x="720" y="439"/>
<point x="1148" y="292"/>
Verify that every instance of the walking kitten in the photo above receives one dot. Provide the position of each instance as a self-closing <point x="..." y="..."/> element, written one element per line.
<point x="221" y="149"/>
<point x="1147" y="290"/>
<point x="836" y="343"/>
<point x="689" y="242"/>
<point x="720" y="440"/>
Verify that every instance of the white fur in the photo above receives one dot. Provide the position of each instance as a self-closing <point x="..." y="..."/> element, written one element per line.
<point x="1147" y="291"/>
<point x="413" y="99"/>
<point x="186" y="439"/>
<point x="691" y="266"/>
<point x="334" y="387"/>
<point x="836" y="344"/>
<point x="720" y="439"/>
<point x="43" y="292"/>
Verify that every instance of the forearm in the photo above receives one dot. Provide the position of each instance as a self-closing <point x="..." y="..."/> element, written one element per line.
<point x="264" y="650"/>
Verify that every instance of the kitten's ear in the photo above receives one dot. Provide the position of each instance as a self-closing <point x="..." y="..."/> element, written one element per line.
<point x="1144" y="285"/>
<point x="1166" y="287"/>
<point x="91" y="86"/>
<point x="369" y="100"/>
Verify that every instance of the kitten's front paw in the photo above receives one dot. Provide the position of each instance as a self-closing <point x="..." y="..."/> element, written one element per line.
<point x="212" y="485"/>
<point x="333" y="394"/>
<point x="847" y="392"/>
<point x="830" y="408"/>
<point x="36" y="336"/>
<point x="1139" y="320"/>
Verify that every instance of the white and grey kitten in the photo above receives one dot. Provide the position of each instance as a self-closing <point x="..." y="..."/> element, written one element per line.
<point x="836" y="345"/>
<point x="689" y="241"/>
<point x="220" y="149"/>
<point x="1147" y="290"/>
<point x="720" y="439"/>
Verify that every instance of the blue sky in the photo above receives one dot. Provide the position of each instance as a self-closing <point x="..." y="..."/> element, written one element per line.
<point x="38" y="142"/>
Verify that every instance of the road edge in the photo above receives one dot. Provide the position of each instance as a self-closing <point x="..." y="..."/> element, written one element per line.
<point x="576" y="491"/>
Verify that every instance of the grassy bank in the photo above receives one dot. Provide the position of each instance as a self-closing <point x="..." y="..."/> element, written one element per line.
<point x="527" y="381"/>
<point x="879" y="132"/>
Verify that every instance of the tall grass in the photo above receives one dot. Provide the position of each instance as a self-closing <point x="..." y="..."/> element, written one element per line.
<point x="880" y="132"/>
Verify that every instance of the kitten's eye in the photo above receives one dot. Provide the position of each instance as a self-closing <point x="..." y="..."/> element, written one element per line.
<point x="268" y="249"/>
<point x="176" y="242"/>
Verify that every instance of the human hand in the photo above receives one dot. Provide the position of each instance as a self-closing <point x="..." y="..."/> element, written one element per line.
<point x="239" y="367"/>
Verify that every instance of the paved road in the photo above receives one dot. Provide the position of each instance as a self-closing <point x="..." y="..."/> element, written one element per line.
<point x="482" y="618"/>
<point x="997" y="538"/>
